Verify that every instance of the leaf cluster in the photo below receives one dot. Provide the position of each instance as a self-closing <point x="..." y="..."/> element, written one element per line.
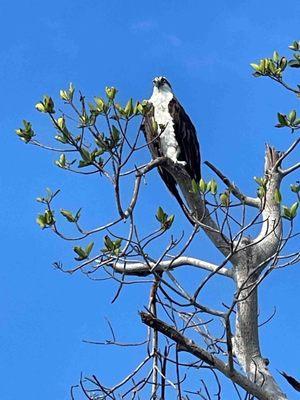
<point x="112" y="246"/>
<point x="165" y="219"/>
<point x="83" y="253"/>
<point x="205" y="187"/>
<point x="26" y="133"/>
<point x="290" y="120"/>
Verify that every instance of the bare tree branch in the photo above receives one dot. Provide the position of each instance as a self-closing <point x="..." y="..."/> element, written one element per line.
<point x="249" y="201"/>
<point x="143" y="269"/>
<point x="189" y="346"/>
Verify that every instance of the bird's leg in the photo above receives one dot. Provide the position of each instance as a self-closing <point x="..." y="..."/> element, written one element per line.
<point x="172" y="153"/>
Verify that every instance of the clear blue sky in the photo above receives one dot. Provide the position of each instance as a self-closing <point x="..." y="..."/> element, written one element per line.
<point x="204" y="48"/>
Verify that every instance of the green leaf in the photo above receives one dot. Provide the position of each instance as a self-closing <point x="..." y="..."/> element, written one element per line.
<point x="117" y="243"/>
<point x="68" y="215"/>
<point x="202" y="186"/>
<point x="275" y="56"/>
<point x="140" y="108"/>
<point x="26" y="133"/>
<point x="61" y="139"/>
<point x="154" y="126"/>
<point x="277" y="196"/>
<point x="144" y="107"/>
<point x="294" y="46"/>
<point x="293" y="209"/>
<point x="115" y="135"/>
<point x="169" y="222"/>
<point x="212" y="187"/>
<point x="50" y="195"/>
<point x="83" y="164"/>
<point x="257" y="180"/>
<point x="297" y="122"/>
<point x="61" y="162"/>
<point x="286" y="212"/>
<point x="61" y="123"/>
<point x="110" y="92"/>
<point x="283" y="63"/>
<point x="266" y="64"/>
<point x="136" y="108"/>
<point x="63" y="95"/>
<point x="225" y="198"/>
<point x="112" y="246"/>
<point x="292" y="116"/>
<point x="67" y="95"/>
<point x="282" y="119"/>
<point x="48" y="105"/>
<point x="81" y="253"/>
<point x="271" y="67"/>
<point x="89" y="248"/>
<point x="49" y="217"/>
<point x="41" y="221"/>
<point x="85" y="155"/>
<point x="161" y="215"/>
<point x="195" y="187"/>
<point x="100" y="104"/>
<point x="120" y="110"/>
<point x="129" y="108"/>
<point x="260" y="181"/>
<point x="40" y="107"/>
<point x="256" y="67"/>
<point x="46" y="219"/>
<point x="108" y="243"/>
<point x="84" y="120"/>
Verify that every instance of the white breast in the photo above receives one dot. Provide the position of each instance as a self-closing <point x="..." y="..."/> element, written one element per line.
<point x="160" y="100"/>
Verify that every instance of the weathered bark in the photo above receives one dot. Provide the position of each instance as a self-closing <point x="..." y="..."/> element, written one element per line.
<point x="256" y="256"/>
<point x="249" y="259"/>
<point x="246" y="345"/>
<point x="144" y="269"/>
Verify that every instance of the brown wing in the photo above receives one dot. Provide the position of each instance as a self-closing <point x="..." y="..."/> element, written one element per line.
<point x="154" y="147"/>
<point x="186" y="137"/>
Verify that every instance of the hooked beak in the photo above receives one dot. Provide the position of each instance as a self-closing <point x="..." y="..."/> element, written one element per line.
<point x="157" y="83"/>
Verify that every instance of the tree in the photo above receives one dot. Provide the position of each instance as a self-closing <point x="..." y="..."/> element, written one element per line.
<point x="255" y="236"/>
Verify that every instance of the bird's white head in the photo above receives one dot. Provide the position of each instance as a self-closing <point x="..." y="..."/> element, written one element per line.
<point x="161" y="84"/>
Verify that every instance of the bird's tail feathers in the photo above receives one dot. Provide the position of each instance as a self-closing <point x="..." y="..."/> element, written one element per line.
<point x="183" y="206"/>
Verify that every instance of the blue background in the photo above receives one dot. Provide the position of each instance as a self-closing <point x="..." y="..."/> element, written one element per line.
<point x="204" y="48"/>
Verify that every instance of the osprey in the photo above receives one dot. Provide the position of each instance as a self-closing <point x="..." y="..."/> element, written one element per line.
<point x="170" y="133"/>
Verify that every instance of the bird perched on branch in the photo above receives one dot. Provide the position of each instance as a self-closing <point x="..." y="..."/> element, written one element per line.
<point x="170" y="133"/>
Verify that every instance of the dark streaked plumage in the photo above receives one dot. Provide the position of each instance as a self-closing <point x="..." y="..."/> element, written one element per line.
<point x="186" y="137"/>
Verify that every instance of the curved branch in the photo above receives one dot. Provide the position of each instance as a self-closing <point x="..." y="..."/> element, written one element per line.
<point x="144" y="269"/>
<point x="249" y="201"/>
<point x="286" y="153"/>
<point x="291" y="169"/>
